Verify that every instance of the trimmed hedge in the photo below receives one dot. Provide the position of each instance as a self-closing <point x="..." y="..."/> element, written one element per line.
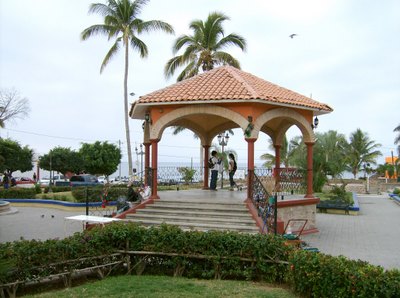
<point x="20" y="260"/>
<point x="320" y="275"/>
<point x="18" y="193"/>
<point x="225" y="255"/>
<point x="57" y="189"/>
<point x="95" y="193"/>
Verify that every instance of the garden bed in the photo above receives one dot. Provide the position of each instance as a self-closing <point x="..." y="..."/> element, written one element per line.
<point x="339" y="207"/>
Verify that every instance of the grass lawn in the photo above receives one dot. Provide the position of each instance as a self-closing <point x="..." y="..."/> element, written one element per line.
<point x="162" y="286"/>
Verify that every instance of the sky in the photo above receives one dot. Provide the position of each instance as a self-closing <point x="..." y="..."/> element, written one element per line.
<point x="346" y="54"/>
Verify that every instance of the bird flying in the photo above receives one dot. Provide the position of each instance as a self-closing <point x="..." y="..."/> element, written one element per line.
<point x="292" y="35"/>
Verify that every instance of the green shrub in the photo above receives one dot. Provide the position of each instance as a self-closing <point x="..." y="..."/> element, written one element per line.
<point x="187" y="173"/>
<point x="38" y="189"/>
<point x="96" y="193"/>
<point x="320" y="275"/>
<point x="339" y="190"/>
<point x="57" y="189"/>
<point x="18" y="193"/>
<point x="396" y="191"/>
<point x="222" y="250"/>
<point x="213" y="254"/>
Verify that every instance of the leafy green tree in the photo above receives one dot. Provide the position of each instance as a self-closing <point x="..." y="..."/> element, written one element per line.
<point x="204" y="49"/>
<point x="397" y="138"/>
<point x="14" y="156"/>
<point x="100" y="158"/>
<point x="361" y="150"/>
<point x="299" y="157"/>
<point x="63" y="160"/>
<point x="122" y="23"/>
<point x="187" y="174"/>
<point x="381" y="169"/>
<point x="328" y="157"/>
<point x="332" y="146"/>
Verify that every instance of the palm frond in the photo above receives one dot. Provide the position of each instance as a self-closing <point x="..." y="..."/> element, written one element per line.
<point x="111" y="53"/>
<point x="172" y="65"/>
<point x="139" y="45"/>
<point x="232" y="40"/>
<point x="95" y="30"/>
<point x="182" y="41"/>
<point x="101" y="9"/>
<point x="223" y="58"/>
<point x="155" y="25"/>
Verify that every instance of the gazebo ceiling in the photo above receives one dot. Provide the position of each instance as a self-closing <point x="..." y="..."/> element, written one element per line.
<point x="225" y="84"/>
<point x="204" y="122"/>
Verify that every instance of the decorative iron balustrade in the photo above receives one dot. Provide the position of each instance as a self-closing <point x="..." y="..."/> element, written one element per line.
<point x="290" y="180"/>
<point x="174" y="175"/>
<point x="264" y="202"/>
<point x="98" y="202"/>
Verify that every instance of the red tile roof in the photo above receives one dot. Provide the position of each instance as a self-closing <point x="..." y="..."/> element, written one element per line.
<point x="232" y="84"/>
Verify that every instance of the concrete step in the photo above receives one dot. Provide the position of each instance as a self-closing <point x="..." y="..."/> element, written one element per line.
<point x="198" y="219"/>
<point x="193" y="207"/>
<point x="203" y="214"/>
<point x="199" y="226"/>
<point x="193" y="213"/>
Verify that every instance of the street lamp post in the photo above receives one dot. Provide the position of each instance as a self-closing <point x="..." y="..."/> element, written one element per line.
<point x="366" y="170"/>
<point x="223" y="141"/>
<point x="141" y="153"/>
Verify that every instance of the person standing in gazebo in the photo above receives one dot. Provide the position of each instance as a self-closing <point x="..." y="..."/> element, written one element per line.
<point x="213" y="165"/>
<point x="232" y="169"/>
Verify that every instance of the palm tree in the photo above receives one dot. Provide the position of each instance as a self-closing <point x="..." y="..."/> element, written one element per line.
<point x="397" y="139"/>
<point x="331" y="146"/>
<point x="361" y="150"/>
<point x="204" y="49"/>
<point x="122" y="23"/>
<point x="285" y="153"/>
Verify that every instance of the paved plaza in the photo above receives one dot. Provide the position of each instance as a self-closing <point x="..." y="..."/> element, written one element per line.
<point x="373" y="235"/>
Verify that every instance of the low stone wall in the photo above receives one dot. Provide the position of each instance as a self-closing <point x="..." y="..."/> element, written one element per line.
<point x="299" y="209"/>
<point x="376" y="186"/>
<point x="350" y="187"/>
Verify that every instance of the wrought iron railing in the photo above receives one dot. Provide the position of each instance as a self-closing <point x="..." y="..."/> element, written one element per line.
<point x="264" y="202"/>
<point x="291" y="181"/>
<point x="282" y="181"/>
<point x="173" y="175"/>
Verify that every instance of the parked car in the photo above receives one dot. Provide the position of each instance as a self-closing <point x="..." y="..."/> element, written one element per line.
<point x="60" y="180"/>
<point x="116" y="180"/>
<point x="83" y="180"/>
<point x="45" y="181"/>
<point x="167" y="182"/>
<point x="102" y="179"/>
<point x="24" y="182"/>
<point x="59" y="177"/>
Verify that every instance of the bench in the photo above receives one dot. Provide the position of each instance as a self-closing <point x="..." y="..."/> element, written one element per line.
<point x="323" y="206"/>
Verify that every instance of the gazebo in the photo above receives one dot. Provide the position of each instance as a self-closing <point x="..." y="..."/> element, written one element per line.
<point x="222" y="99"/>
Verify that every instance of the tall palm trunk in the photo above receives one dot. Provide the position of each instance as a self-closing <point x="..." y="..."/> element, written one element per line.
<point x="128" y="137"/>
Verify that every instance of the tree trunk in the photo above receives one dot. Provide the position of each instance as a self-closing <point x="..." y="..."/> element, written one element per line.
<point x="126" y="112"/>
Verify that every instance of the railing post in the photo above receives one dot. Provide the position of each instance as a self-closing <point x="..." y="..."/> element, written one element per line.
<point x="276" y="213"/>
<point x="250" y="184"/>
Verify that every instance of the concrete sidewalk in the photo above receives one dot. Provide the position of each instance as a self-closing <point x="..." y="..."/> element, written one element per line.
<point x="372" y="236"/>
<point x="37" y="223"/>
